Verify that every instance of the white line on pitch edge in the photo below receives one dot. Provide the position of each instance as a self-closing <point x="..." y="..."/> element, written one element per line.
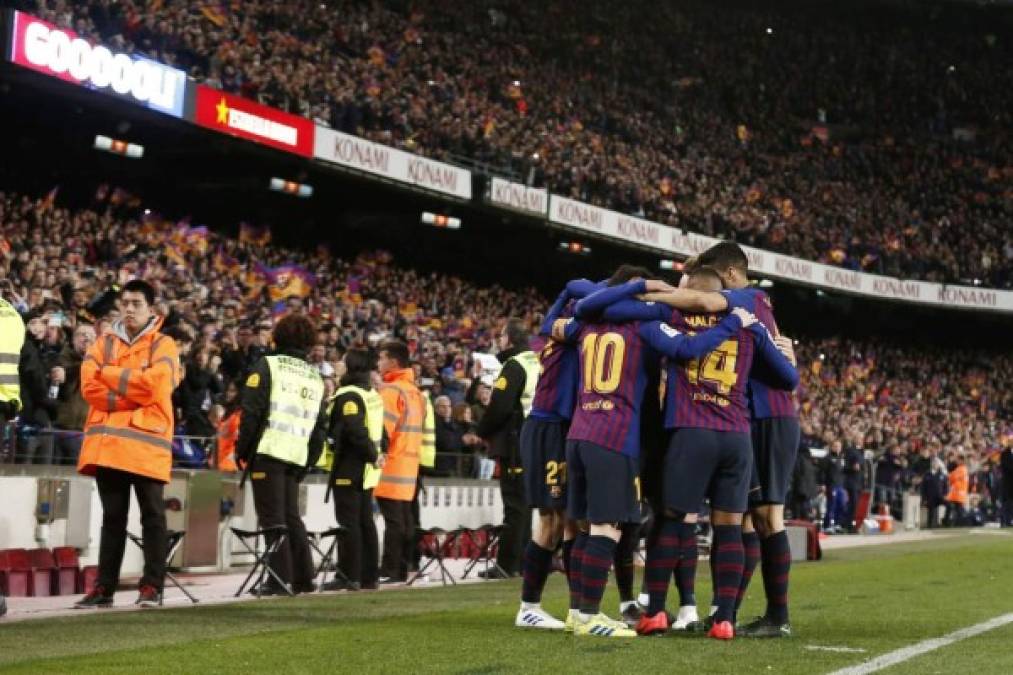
<point x="923" y="647"/>
<point x="844" y="650"/>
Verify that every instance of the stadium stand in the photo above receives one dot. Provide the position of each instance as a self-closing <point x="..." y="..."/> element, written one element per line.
<point x="874" y="394"/>
<point x="892" y="163"/>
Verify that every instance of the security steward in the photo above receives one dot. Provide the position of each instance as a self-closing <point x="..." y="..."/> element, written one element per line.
<point x="127" y="379"/>
<point x="356" y="438"/>
<point x="281" y="434"/>
<point x="12" y="336"/>
<point x="512" y="395"/>
<point x="404" y="415"/>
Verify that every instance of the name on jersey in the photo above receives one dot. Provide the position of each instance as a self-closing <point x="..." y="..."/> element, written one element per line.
<point x="704" y="397"/>
<point x="702" y="320"/>
<point x="600" y="404"/>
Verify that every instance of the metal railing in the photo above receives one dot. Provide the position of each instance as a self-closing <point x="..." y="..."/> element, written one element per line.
<point x="31" y="444"/>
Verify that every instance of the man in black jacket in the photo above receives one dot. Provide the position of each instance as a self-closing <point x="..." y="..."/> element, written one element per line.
<point x="1006" y="475"/>
<point x="832" y="469"/>
<point x="36" y="406"/>
<point x="357" y="438"/>
<point x="500" y="428"/>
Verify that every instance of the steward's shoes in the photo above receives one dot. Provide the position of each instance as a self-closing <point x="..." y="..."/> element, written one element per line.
<point x="3" y="605"/>
<point x="722" y="630"/>
<point x="387" y="581"/>
<point x="632" y="614"/>
<point x="493" y="573"/>
<point x="600" y="625"/>
<point x="308" y="587"/>
<point x="764" y="627"/>
<point x="148" y="596"/>
<point x="98" y="597"/>
<point x="653" y="625"/>
<point x="341" y="585"/>
<point x="536" y="617"/>
<point x="268" y="589"/>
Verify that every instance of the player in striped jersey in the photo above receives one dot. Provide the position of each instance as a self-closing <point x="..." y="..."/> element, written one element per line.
<point x="543" y="456"/>
<point x="775" y="435"/>
<point x="603" y="446"/>
<point x="709" y="453"/>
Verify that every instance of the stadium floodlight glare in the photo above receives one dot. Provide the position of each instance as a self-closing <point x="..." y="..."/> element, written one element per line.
<point x="118" y="147"/>
<point x="676" y="265"/>
<point x="291" y="187"/>
<point x="440" y="220"/>
<point x="574" y="247"/>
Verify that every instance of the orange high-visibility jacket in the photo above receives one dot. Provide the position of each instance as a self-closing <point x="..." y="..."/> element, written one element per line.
<point x="128" y="384"/>
<point x="228" y="434"/>
<point x="404" y="416"/>
<point x="958" y="485"/>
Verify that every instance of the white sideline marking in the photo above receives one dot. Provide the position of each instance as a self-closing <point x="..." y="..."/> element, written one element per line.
<point x="923" y="647"/>
<point x="845" y="650"/>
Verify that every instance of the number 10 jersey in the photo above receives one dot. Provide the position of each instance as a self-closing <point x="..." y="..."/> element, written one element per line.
<point x="615" y="362"/>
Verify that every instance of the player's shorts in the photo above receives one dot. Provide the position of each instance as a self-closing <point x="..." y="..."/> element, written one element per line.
<point x="775" y="447"/>
<point x="543" y="455"/>
<point x="705" y="463"/>
<point x="604" y="485"/>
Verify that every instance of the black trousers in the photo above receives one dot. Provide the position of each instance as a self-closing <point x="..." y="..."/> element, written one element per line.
<point x="398" y="537"/>
<point x="276" y="498"/>
<point x="114" y="491"/>
<point x="357" y="550"/>
<point x="516" y="521"/>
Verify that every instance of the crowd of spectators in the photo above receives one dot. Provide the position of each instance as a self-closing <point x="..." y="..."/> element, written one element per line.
<point x="917" y="410"/>
<point x="872" y="137"/>
<point x="921" y="413"/>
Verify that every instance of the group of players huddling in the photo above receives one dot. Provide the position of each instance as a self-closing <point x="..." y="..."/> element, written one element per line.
<point x="670" y="396"/>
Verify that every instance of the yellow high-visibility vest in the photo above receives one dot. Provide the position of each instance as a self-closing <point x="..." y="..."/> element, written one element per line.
<point x="296" y="393"/>
<point x="12" y="337"/>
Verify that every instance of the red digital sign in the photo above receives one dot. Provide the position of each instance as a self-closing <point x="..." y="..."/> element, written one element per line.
<point x="239" y="117"/>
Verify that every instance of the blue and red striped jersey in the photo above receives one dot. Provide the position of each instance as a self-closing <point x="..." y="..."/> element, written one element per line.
<point x="614" y="366"/>
<point x="765" y="399"/>
<point x="710" y="392"/>
<point x="556" y="391"/>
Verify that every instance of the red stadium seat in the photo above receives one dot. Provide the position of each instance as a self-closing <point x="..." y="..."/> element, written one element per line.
<point x="89" y="577"/>
<point x="67" y="572"/>
<point x="17" y="575"/>
<point x="43" y="571"/>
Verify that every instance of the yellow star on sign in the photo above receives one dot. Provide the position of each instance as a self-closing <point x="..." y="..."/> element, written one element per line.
<point x="223" y="111"/>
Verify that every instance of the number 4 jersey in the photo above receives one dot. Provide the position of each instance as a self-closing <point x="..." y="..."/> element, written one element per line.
<point x="710" y="392"/>
<point x="616" y="362"/>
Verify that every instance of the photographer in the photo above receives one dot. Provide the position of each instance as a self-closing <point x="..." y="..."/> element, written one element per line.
<point x="72" y="409"/>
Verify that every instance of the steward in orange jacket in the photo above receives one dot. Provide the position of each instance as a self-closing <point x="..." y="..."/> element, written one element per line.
<point x="404" y="417"/>
<point x="958" y="484"/>
<point x="127" y="378"/>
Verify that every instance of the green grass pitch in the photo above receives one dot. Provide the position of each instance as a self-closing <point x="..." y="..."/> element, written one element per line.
<point x="876" y="598"/>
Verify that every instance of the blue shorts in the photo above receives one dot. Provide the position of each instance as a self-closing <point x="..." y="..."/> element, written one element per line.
<point x="543" y="455"/>
<point x="775" y="447"/>
<point x="705" y="463"/>
<point x="604" y="485"/>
